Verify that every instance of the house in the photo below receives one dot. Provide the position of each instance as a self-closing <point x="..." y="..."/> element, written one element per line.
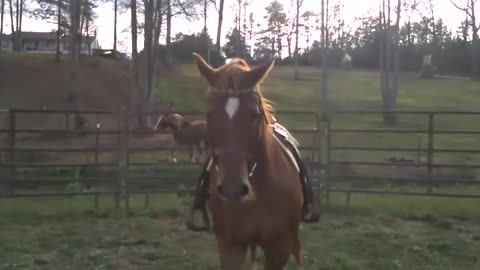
<point x="46" y="42"/>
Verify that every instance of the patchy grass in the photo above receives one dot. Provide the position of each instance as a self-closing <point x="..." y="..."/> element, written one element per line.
<point x="68" y="234"/>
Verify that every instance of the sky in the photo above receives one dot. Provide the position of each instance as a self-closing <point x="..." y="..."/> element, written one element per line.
<point x="104" y="22"/>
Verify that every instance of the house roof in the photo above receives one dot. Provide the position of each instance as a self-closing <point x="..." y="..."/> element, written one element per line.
<point x="90" y="38"/>
<point x="48" y="36"/>
<point x="39" y="35"/>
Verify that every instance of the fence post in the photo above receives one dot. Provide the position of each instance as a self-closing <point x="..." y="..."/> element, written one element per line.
<point x="126" y="168"/>
<point x="67" y="120"/>
<point x="96" y="202"/>
<point x="327" y="165"/>
<point x="147" y="200"/>
<point x="97" y="142"/>
<point x="12" y="126"/>
<point x="431" y="131"/>
<point x="119" y="174"/>
<point x="348" y="199"/>
<point x="317" y="158"/>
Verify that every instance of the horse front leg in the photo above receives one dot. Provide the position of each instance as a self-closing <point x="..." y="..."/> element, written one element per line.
<point x="297" y="251"/>
<point x="277" y="255"/>
<point x="171" y="156"/>
<point x="232" y="256"/>
<point x="193" y="153"/>
<point x="253" y="257"/>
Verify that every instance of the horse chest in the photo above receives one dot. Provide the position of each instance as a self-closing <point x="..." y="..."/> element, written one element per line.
<point x="250" y="225"/>
<point x="183" y="137"/>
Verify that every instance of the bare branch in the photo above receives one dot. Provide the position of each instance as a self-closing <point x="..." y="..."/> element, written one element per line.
<point x="460" y="8"/>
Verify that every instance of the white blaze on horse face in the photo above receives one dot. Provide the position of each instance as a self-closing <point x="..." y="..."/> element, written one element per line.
<point x="231" y="107"/>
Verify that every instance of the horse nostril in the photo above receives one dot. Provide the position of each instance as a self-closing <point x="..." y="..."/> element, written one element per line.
<point x="244" y="190"/>
<point x="235" y="192"/>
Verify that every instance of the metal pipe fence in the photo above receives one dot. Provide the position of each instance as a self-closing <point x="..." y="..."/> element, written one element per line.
<point x="109" y="156"/>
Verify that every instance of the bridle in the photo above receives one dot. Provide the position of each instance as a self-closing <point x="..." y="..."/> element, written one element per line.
<point x="252" y="163"/>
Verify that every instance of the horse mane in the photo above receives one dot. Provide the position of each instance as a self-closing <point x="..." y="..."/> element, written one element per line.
<point x="241" y="64"/>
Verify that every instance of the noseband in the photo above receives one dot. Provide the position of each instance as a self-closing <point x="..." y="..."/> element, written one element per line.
<point x="252" y="164"/>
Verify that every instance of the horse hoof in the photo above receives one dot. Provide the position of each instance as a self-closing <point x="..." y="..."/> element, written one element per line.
<point x="311" y="218"/>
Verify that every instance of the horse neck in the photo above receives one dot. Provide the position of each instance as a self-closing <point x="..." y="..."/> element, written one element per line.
<point x="269" y="147"/>
<point x="182" y="124"/>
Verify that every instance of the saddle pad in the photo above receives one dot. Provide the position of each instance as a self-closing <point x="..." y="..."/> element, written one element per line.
<point x="287" y="139"/>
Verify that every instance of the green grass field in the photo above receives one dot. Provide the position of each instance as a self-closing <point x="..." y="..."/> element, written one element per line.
<point x="374" y="232"/>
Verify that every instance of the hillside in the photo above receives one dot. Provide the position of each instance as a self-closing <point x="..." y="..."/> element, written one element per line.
<point x="30" y="81"/>
<point x="35" y="81"/>
<point x="358" y="90"/>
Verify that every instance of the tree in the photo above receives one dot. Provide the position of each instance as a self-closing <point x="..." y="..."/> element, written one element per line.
<point x="324" y="77"/>
<point x="73" y="97"/>
<point x="59" y="22"/>
<point x="389" y="59"/>
<point x="236" y="43"/>
<point x="219" y="26"/>
<point x="16" y="27"/>
<point x="55" y="12"/>
<point x="308" y="25"/>
<point x="469" y="9"/>
<point x="115" y="13"/>
<point x="205" y="29"/>
<point x="273" y="34"/>
<point x="298" y="4"/>
<point x="1" y="22"/>
<point x="187" y="8"/>
<point x="137" y="98"/>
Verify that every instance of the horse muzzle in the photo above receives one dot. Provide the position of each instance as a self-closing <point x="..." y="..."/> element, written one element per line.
<point x="234" y="192"/>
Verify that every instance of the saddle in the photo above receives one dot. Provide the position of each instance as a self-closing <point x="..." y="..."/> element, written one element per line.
<point x="288" y="143"/>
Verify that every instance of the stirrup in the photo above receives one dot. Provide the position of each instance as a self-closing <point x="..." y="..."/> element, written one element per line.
<point x="190" y="220"/>
<point x="311" y="216"/>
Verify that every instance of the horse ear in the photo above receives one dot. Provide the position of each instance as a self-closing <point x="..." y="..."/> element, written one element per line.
<point x="257" y="74"/>
<point x="205" y="69"/>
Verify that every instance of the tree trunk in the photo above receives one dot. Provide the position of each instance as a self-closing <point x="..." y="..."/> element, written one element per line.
<point x="168" y="58"/>
<point x="205" y="30"/>
<point x="289" y="45"/>
<point x="396" y="67"/>
<point x="219" y="27"/>
<point x="156" y="37"/>
<point x="1" y="24"/>
<point x="388" y="65"/>
<point x="297" y="15"/>
<point x="87" y="29"/>
<point x="409" y="34"/>
<point x="390" y="56"/>
<point x="475" y="67"/>
<point x="381" y="27"/>
<point x="12" y="25"/>
<point x="80" y="36"/>
<point x="475" y="29"/>
<point x="20" y="16"/>
<point x="59" y="22"/>
<point x="148" y="43"/>
<point x="324" y="81"/>
<point x="273" y="47"/>
<point x="136" y="96"/>
<point x="75" y="55"/>
<point x="115" y="10"/>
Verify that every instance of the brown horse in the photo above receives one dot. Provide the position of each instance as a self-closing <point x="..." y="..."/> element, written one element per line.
<point x="186" y="133"/>
<point x="255" y="191"/>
